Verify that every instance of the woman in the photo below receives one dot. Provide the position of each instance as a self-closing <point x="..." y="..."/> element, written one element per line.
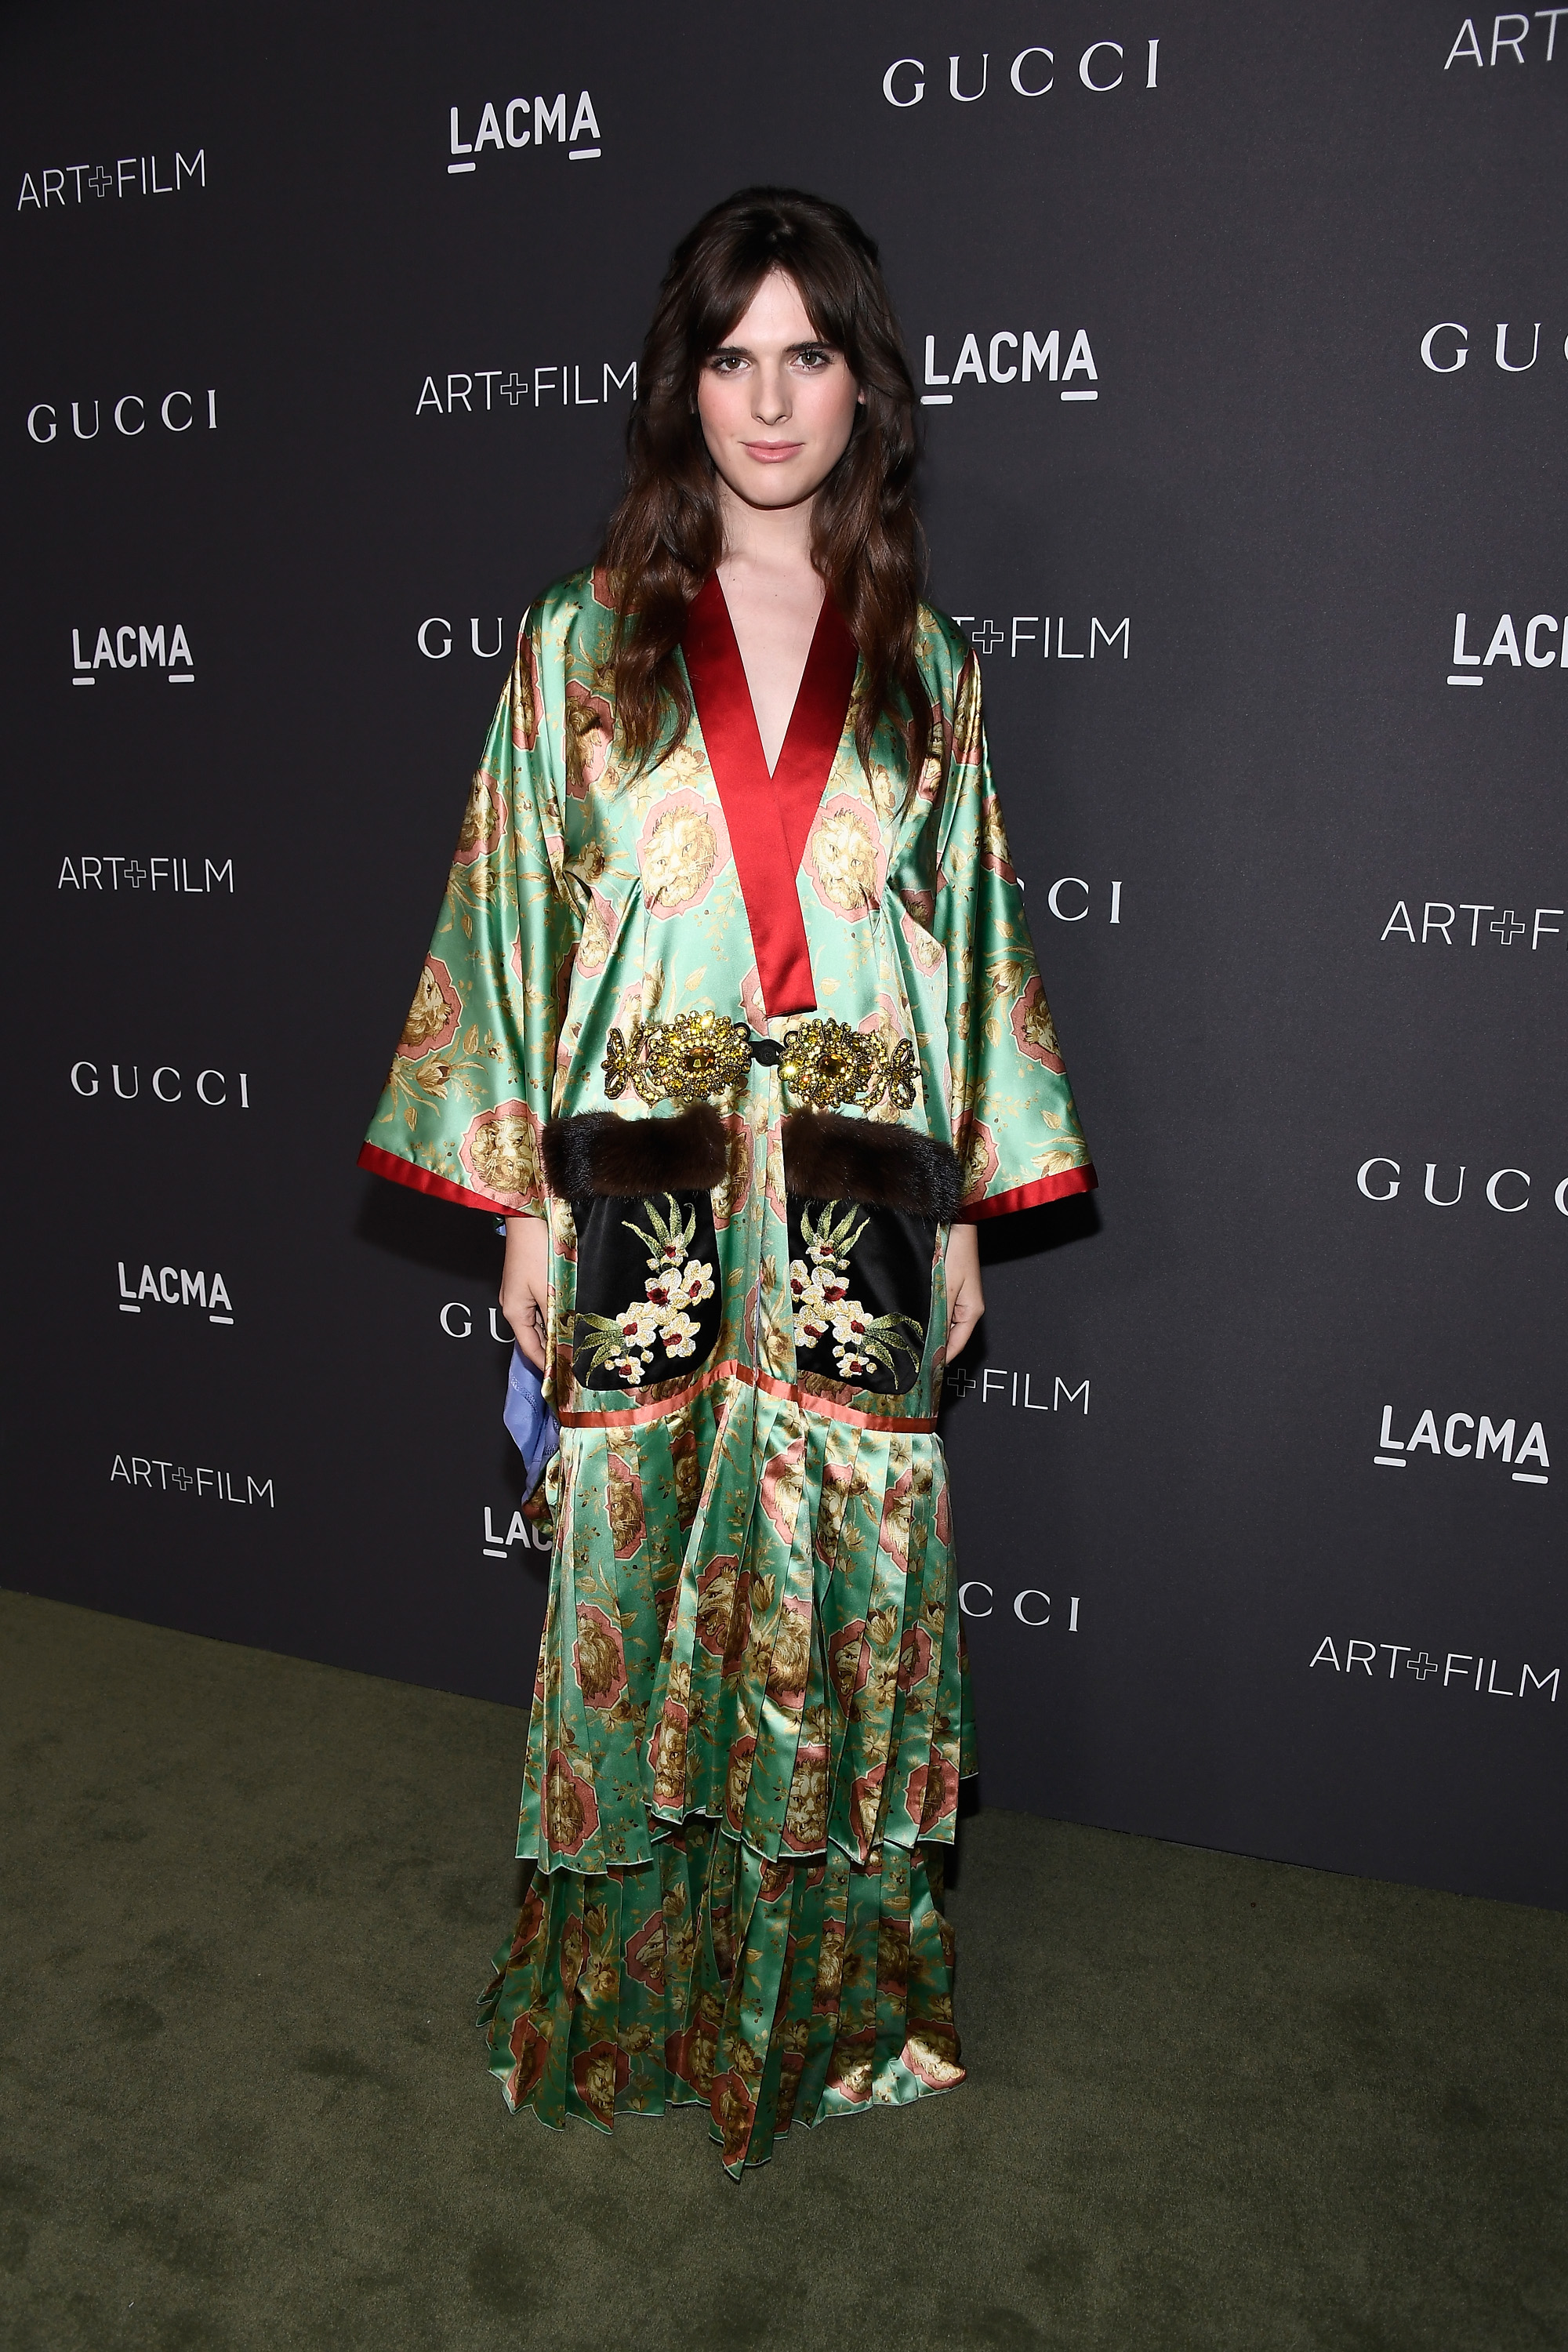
<point x="731" y="1008"/>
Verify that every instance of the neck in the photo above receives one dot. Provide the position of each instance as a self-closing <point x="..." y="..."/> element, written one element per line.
<point x="774" y="539"/>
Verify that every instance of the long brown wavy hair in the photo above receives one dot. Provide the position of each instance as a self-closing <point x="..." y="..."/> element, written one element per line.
<point x="667" y="535"/>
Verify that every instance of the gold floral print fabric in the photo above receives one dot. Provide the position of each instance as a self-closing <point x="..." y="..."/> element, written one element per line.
<point x="751" y="1712"/>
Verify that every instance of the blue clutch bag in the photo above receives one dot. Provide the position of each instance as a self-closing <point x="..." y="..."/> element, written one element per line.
<point x="533" y="1427"/>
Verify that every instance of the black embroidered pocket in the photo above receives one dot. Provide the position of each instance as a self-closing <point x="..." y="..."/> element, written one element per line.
<point x="860" y="1282"/>
<point x="649" y="1306"/>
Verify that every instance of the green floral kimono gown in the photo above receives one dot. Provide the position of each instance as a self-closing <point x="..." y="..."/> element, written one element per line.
<point x="749" y="1042"/>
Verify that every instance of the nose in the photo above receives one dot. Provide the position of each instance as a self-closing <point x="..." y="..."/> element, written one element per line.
<point x="770" y="405"/>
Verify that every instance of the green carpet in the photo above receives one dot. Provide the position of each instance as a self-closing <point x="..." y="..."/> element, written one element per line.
<point x="247" y="1904"/>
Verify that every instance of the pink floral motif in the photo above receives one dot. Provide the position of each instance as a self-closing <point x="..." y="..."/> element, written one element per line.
<point x="598" y="1662"/>
<point x="716" y="1602"/>
<point x="737" y="1781"/>
<point x="531" y="2049"/>
<point x="527" y="695"/>
<point x="931" y="1793"/>
<point x="848" y="1661"/>
<point x="667" y="1756"/>
<point x="434" y="1015"/>
<point x="598" y="933"/>
<point x="482" y="820"/>
<point x="926" y="950"/>
<point x="980" y="1159"/>
<point x="530" y="1921"/>
<point x="994" y="851"/>
<point x="624" y="1507"/>
<point x="501" y="1153"/>
<point x="781" y="1488"/>
<point x="683" y="845"/>
<point x="599" y="2072"/>
<point x="914" y="1658"/>
<point x="844" y="860"/>
<point x="1035" y="1030"/>
<point x="646" y="1953"/>
<point x="571" y="1805"/>
<point x="866" y="1807"/>
<point x="590" y="728"/>
<point x="805" y="1825"/>
<point x="930" y="2053"/>
<point x="850" y="2067"/>
<point x="729" y="1197"/>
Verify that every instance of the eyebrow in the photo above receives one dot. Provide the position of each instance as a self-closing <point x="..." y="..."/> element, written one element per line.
<point x="744" y="351"/>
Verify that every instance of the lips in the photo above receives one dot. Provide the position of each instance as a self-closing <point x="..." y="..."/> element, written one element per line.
<point x="772" y="453"/>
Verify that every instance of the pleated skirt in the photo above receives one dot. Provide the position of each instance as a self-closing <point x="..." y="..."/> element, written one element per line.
<point x="772" y="1992"/>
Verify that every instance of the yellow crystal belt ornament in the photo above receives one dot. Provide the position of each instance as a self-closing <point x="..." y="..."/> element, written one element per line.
<point x="822" y="1062"/>
<point x="826" y="1063"/>
<point x="685" y="1061"/>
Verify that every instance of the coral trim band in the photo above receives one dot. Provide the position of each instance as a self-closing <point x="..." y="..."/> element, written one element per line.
<point x="742" y="1376"/>
<point x="1030" y="1196"/>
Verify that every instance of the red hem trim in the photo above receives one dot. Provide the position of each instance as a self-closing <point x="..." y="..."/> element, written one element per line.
<point x="423" y="1180"/>
<point x="1031" y="1196"/>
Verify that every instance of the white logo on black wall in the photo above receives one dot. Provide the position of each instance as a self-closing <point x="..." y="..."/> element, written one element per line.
<point x="179" y="878"/>
<point x="132" y="646"/>
<point x="128" y="175"/>
<point x="559" y="384"/>
<point x="972" y="75"/>
<point x="1540" y="643"/>
<point x="162" y="1477"/>
<point x="1461" y="1667"/>
<point x="535" y="123"/>
<point x="1510" y="34"/>
<point x="129" y="414"/>
<point x="1510" y="1190"/>
<point x="1475" y="1439"/>
<point x="131" y="1082"/>
<point x="1473" y="922"/>
<point x="1514" y="346"/>
<point x="1014" y="359"/>
<point x="173" y="1285"/>
<point x="1040" y="1392"/>
<point x="1050" y="636"/>
<point x="434" y="637"/>
<point x="498" y="1542"/>
<point x="1029" y="1605"/>
<point x="456" y="1319"/>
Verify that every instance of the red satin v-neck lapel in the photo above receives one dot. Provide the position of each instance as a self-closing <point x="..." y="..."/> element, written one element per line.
<point x="769" y="817"/>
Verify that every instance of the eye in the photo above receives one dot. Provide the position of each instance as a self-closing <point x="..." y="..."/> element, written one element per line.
<point x="811" y="362"/>
<point x="727" y="362"/>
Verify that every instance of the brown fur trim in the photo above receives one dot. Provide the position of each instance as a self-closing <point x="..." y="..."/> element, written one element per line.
<point x="600" y="1154"/>
<point x="831" y="1159"/>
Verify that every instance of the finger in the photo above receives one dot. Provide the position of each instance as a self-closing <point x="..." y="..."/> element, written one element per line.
<point x="527" y="1327"/>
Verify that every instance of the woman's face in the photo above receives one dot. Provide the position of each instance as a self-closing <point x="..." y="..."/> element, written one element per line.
<point x="777" y="405"/>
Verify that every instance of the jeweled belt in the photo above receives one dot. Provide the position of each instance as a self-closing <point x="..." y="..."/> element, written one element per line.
<point x="821" y="1062"/>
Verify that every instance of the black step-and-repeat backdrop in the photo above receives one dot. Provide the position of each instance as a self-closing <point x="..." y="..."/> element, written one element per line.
<point x="1242" y="338"/>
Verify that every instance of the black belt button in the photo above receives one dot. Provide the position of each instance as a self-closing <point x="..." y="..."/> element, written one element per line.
<point x="765" y="1051"/>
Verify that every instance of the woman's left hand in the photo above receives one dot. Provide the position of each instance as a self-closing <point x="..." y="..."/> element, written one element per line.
<point x="965" y="1298"/>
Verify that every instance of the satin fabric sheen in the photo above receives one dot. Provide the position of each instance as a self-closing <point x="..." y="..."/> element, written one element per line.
<point x="751" y="1713"/>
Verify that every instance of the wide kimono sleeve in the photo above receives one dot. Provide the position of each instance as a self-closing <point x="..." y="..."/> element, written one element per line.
<point x="469" y="1089"/>
<point x="1015" y="1125"/>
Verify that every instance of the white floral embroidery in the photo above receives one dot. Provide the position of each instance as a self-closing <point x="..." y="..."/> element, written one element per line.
<point x="820" y="1292"/>
<point x="624" y="1343"/>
